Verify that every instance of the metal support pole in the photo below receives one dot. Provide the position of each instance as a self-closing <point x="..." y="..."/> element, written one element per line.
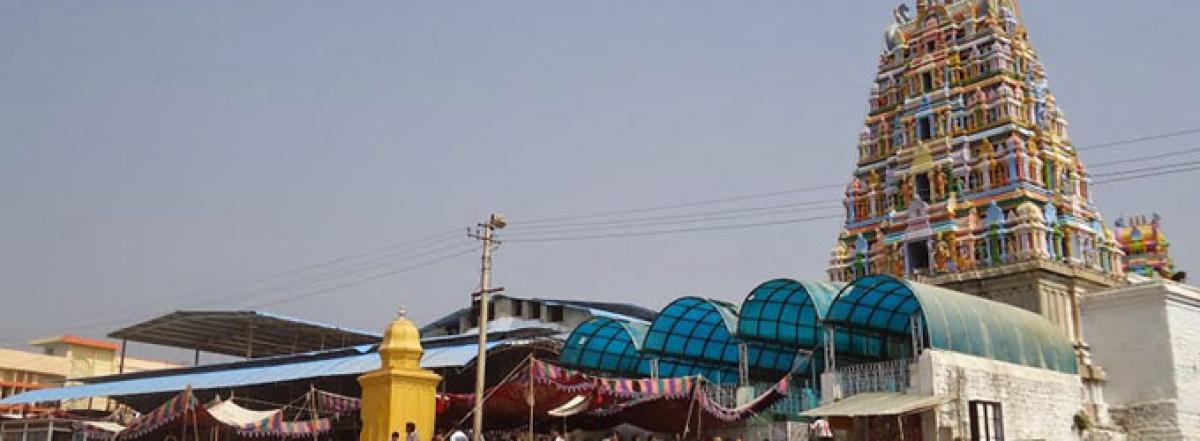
<point x="487" y="236"/>
<point x="196" y="358"/>
<point x="121" y="367"/>
<point x="250" y="341"/>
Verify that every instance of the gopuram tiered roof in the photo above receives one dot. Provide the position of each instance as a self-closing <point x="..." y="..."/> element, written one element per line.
<point x="964" y="161"/>
<point x="1146" y="248"/>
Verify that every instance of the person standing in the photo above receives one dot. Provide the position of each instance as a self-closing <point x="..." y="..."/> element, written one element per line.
<point x="410" y="430"/>
<point x="819" y="430"/>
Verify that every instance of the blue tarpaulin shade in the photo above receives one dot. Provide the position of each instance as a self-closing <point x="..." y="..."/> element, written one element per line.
<point x="364" y="360"/>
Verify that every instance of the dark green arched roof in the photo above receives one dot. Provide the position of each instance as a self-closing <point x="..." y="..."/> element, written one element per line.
<point x="883" y="305"/>
<point x="787" y="312"/>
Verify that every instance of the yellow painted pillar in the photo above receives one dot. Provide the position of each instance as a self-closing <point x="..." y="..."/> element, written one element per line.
<point x="399" y="391"/>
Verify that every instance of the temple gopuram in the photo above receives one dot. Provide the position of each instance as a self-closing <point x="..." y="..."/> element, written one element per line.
<point x="966" y="176"/>
<point x="1146" y="247"/>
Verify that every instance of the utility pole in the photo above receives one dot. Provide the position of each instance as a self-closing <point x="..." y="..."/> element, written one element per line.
<point x="485" y="233"/>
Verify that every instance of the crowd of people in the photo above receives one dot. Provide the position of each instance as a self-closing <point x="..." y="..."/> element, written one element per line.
<point x="818" y="430"/>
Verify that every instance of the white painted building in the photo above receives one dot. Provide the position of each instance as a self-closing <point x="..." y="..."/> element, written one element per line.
<point x="1147" y="337"/>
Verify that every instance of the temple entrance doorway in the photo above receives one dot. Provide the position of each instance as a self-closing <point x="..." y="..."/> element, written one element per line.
<point x="918" y="257"/>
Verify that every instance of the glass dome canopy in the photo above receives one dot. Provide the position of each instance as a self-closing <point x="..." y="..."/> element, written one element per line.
<point x="606" y="344"/>
<point x="692" y="328"/>
<point x="787" y="312"/>
<point x="873" y="316"/>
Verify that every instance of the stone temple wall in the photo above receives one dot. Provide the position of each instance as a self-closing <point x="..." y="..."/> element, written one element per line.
<point x="1183" y="316"/>
<point x="1147" y="336"/>
<point x="1036" y="403"/>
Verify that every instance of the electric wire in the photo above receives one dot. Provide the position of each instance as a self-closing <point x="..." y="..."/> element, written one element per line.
<point x="774" y="207"/>
<point x="549" y="224"/>
<point x="328" y="275"/>
<point x="363" y="280"/>
<point x="713" y="201"/>
<point x="1146" y="169"/>
<point x="679" y="221"/>
<point x="1096" y="165"/>
<point x="1139" y="139"/>
<point x="673" y="231"/>
<point x="1148" y="175"/>
<point x="777" y="193"/>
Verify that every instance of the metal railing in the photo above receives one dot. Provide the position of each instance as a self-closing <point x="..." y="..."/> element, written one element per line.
<point x="800" y="397"/>
<point x="886" y="376"/>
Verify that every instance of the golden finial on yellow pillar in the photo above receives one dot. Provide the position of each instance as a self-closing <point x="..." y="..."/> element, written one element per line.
<point x="399" y="392"/>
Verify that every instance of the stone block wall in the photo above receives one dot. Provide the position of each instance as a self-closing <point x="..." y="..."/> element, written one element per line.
<point x="1147" y="336"/>
<point x="1154" y="421"/>
<point x="1036" y="403"/>
<point x="1183" y="318"/>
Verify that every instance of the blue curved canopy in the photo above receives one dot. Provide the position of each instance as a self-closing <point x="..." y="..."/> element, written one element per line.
<point x="692" y="328"/>
<point x="787" y="312"/>
<point x="610" y="345"/>
<point x="873" y="316"/>
<point x="606" y="344"/>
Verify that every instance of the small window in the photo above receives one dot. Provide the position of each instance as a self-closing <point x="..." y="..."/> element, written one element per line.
<point x="518" y="308"/>
<point x="555" y="312"/>
<point x="927" y="81"/>
<point x="987" y="421"/>
<point x="931" y="46"/>
<point x="925" y="128"/>
<point x="918" y="257"/>
<point x="535" y="310"/>
<point x="923" y="188"/>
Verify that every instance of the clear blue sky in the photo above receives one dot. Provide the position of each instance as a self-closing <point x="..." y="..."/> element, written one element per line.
<point x="158" y="155"/>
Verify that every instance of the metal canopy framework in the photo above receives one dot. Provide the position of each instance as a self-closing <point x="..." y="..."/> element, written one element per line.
<point x="787" y="312"/>
<point x="247" y="334"/>
<point x="692" y="328"/>
<point x="875" y="316"/>
<point x="606" y="344"/>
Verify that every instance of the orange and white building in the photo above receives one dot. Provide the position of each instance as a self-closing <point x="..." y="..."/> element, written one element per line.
<point x="61" y="360"/>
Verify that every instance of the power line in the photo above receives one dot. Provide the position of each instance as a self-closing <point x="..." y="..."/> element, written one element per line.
<point x="336" y="273"/>
<point x="1148" y="175"/>
<point x="1146" y="169"/>
<point x="1139" y="139"/>
<point x="331" y="274"/>
<point x="674" y="231"/>
<point x="769" y="194"/>
<point x="1186" y="151"/>
<point x="713" y="201"/>
<point x="677" y="221"/>
<point x="682" y="215"/>
<point x="707" y="216"/>
<point x="363" y="280"/>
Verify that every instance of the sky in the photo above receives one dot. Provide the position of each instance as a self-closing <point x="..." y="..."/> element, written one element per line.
<point x="157" y="156"/>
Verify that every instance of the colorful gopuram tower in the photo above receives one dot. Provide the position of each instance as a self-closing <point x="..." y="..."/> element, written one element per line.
<point x="1146" y="248"/>
<point x="966" y="177"/>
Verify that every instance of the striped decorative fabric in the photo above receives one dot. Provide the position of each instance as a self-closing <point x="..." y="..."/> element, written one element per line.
<point x="569" y="380"/>
<point x="174" y="408"/>
<point x="275" y="426"/>
<point x="328" y="402"/>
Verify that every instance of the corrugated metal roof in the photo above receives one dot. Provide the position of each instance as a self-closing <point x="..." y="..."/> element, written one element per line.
<point x="243" y="333"/>
<point x="875" y="404"/>
<point x="363" y="361"/>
